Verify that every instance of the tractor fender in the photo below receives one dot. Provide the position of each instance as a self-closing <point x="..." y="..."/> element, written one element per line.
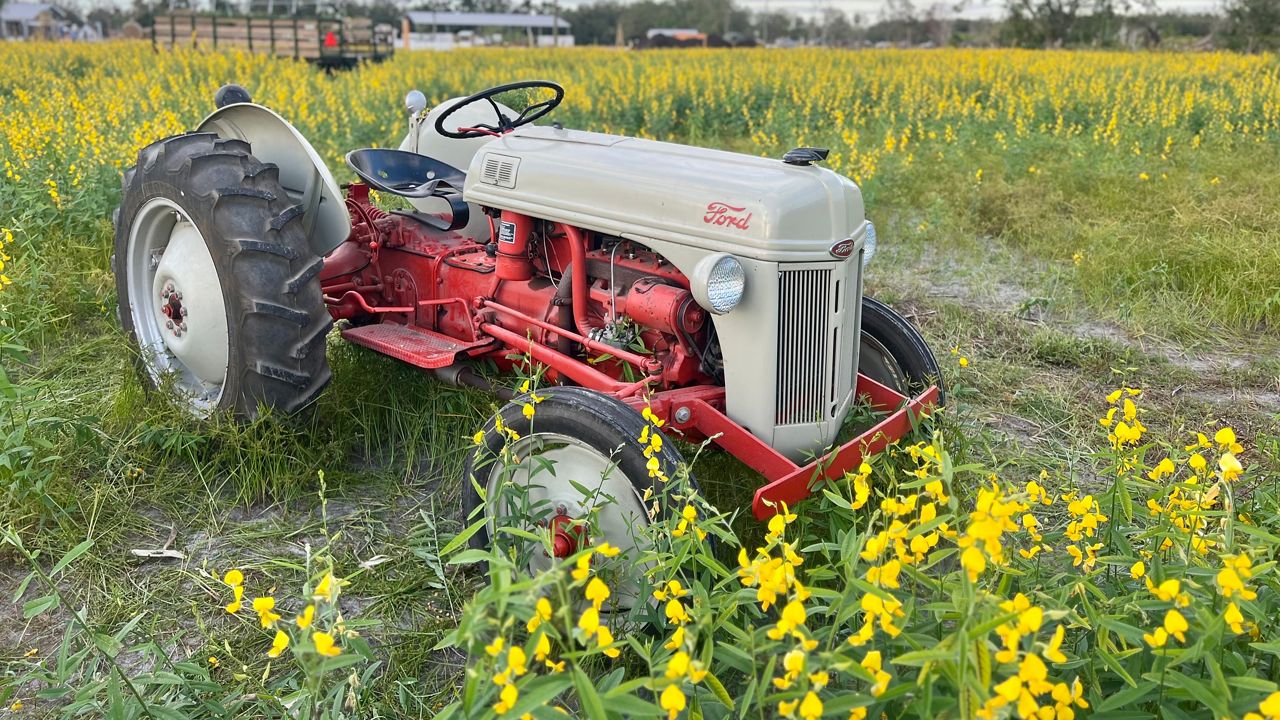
<point x="303" y="175"/>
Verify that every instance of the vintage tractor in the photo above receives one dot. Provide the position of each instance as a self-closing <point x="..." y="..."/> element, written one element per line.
<point x="721" y="292"/>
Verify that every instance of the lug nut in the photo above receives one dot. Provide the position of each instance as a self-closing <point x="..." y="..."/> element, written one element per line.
<point x="169" y="324"/>
<point x="683" y="414"/>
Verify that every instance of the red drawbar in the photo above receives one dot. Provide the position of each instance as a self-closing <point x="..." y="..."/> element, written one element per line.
<point x="788" y="482"/>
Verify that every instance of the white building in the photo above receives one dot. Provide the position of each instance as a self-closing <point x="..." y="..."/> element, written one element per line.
<point x="430" y="30"/>
<point x="27" y="20"/>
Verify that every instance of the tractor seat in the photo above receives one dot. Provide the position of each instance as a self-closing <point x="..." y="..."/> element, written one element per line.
<point x="414" y="176"/>
<point x="406" y="174"/>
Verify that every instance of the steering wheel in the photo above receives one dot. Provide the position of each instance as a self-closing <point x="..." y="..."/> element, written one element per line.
<point x="505" y="124"/>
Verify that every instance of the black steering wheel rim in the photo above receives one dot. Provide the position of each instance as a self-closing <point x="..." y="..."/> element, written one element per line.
<point x="505" y="124"/>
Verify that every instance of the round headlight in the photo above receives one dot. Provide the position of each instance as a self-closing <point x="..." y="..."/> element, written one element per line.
<point x="718" y="283"/>
<point x="869" y="244"/>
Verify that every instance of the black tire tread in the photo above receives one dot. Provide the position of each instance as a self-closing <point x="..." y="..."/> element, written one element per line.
<point x="905" y="343"/>
<point x="275" y="310"/>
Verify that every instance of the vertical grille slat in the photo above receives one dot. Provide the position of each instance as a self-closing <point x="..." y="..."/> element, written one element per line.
<point x="807" y="347"/>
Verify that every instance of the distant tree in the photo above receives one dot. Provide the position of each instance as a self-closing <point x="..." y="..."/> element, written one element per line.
<point x="837" y="31"/>
<point x="595" y="24"/>
<point x="771" y="26"/>
<point x="1252" y="25"/>
<point x="1041" y="22"/>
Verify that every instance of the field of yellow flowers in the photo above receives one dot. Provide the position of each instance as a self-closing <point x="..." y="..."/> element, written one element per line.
<point x="1089" y="529"/>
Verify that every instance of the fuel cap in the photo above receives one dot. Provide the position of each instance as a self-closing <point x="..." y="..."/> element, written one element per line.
<point x="805" y="155"/>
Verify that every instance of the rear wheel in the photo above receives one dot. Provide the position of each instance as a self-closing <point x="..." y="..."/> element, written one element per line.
<point x="216" y="281"/>
<point x="894" y="353"/>
<point x="576" y="470"/>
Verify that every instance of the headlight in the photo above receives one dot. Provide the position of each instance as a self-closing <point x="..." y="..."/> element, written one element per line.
<point x="869" y="244"/>
<point x="718" y="283"/>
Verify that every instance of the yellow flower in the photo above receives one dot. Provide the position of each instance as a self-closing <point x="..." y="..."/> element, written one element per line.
<point x="672" y="700"/>
<point x="607" y="550"/>
<point x="582" y="566"/>
<point x="507" y="698"/>
<point x="234" y="606"/>
<point x="1053" y="651"/>
<point x="1176" y="625"/>
<point x="1234" y="618"/>
<point x="278" y="644"/>
<point x="517" y="661"/>
<point x="494" y="649"/>
<point x="973" y="562"/>
<point x="328" y="588"/>
<point x="233" y="578"/>
<point x="872" y="663"/>
<point x="677" y="639"/>
<point x="1163" y="469"/>
<point x="265" y="606"/>
<point x="541" y="614"/>
<point x="1230" y="467"/>
<point x="308" y="615"/>
<point x="676" y="613"/>
<point x="604" y="641"/>
<point x="597" y="592"/>
<point x="811" y="706"/>
<point x="478" y="438"/>
<point x="325" y="645"/>
<point x="589" y="621"/>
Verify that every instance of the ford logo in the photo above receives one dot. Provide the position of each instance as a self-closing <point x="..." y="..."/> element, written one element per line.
<point x="842" y="249"/>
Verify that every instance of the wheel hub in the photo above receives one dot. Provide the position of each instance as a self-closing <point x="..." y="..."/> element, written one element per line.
<point x="176" y="302"/>
<point x="171" y="307"/>
<point x="567" y="535"/>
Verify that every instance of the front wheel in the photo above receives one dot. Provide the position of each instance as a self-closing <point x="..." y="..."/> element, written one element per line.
<point x="576" y="471"/>
<point x="217" y="284"/>
<point x="894" y="353"/>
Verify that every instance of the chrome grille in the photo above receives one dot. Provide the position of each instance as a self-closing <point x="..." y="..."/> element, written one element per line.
<point x="807" y="341"/>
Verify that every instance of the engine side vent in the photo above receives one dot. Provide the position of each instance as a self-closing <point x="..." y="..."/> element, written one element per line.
<point x="805" y="352"/>
<point x="499" y="170"/>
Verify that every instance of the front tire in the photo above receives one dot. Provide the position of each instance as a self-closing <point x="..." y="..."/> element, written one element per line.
<point x="894" y="353"/>
<point x="217" y="284"/>
<point x="577" y="439"/>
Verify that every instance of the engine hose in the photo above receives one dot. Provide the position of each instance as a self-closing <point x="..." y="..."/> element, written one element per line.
<point x="578" y="274"/>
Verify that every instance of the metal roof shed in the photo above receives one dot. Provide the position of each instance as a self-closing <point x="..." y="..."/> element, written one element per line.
<point x="428" y="18"/>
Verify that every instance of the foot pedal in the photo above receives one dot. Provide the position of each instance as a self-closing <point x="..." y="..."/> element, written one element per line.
<point x="419" y="347"/>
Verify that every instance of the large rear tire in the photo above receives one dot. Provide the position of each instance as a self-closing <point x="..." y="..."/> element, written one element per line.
<point x="894" y="353"/>
<point x="217" y="284"/>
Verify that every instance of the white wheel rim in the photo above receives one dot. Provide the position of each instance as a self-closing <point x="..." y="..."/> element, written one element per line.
<point x="620" y="514"/>
<point x="176" y="305"/>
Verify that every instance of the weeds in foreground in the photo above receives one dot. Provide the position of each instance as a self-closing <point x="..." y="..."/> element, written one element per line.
<point x="913" y="588"/>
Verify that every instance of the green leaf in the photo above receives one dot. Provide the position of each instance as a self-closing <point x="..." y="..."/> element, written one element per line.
<point x="1127" y="696"/>
<point x="632" y="705"/>
<point x="33" y="608"/>
<point x="718" y="690"/>
<point x="920" y="657"/>
<point x="1115" y="665"/>
<point x="1245" y="682"/>
<point x="71" y="556"/>
<point x="588" y="696"/>
<point x="462" y="537"/>
<point x="540" y="692"/>
<point x="1201" y="692"/>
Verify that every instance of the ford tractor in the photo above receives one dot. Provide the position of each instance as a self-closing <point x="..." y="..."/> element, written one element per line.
<point x="716" y="295"/>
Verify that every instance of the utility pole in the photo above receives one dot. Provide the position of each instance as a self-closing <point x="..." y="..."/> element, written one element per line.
<point x="555" y="23"/>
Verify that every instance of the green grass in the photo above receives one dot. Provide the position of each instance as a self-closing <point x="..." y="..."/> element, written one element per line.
<point x="1176" y="292"/>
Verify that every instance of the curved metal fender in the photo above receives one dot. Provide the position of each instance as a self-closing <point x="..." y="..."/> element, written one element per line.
<point x="304" y="176"/>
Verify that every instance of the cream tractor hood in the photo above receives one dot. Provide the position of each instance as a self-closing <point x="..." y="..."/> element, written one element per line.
<point x="713" y="200"/>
